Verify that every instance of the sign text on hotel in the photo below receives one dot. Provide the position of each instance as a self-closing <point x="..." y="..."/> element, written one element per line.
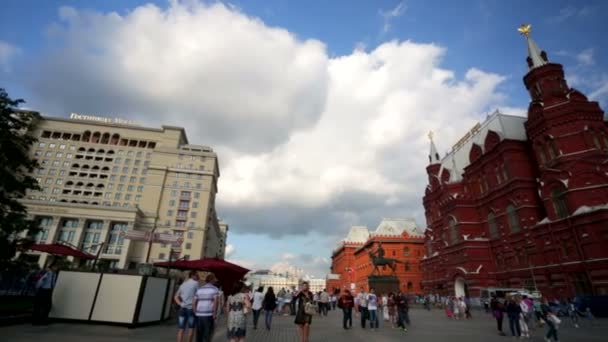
<point x="120" y="121"/>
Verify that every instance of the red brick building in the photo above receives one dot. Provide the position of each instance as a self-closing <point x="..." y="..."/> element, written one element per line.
<point x="400" y="239"/>
<point x="521" y="202"/>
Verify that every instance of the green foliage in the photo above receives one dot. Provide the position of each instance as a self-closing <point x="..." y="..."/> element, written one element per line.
<point x="16" y="166"/>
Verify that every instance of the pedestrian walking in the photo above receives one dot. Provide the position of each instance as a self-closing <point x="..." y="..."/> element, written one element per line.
<point x="346" y="303"/>
<point x="384" y="305"/>
<point x="497" y="310"/>
<point x="456" y="308"/>
<point x="372" y="308"/>
<point x="392" y="308"/>
<point x="184" y="298"/>
<point x="237" y="307"/>
<point x="324" y="302"/>
<point x="513" y="313"/>
<point x="573" y="313"/>
<point x="362" y="307"/>
<point x="305" y="311"/>
<point x="334" y="299"/>
<point x="281" y="299"/>
<point x="467" y="307"/>
<point x="403" y="309"/>
<point x="205" y="308"/>
<point x="551" y="320"/>
<point x="292" y="307"/>
<point x="43" y="300"/>
<point x="256" y="306"/>
<point x="524" y="316"/>
<point x="269" y="304"/>
<point x="287" y="306"/>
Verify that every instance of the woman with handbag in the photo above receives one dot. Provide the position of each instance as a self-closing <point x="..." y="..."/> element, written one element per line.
<point x="306" y="308"/>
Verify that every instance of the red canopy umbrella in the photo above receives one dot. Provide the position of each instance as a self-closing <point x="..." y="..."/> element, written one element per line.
<point x="226" y="272"/>
<point x="60" y="249"/>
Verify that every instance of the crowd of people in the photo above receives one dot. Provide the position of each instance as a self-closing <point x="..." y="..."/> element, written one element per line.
<point x="200" y="306"/>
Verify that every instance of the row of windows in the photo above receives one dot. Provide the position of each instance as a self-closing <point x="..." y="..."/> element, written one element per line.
<point x="106" y="204"/>
<point x="99" y="138"/>
<point x="183" y="204"/>
<point x="127" y="161"/>
<point x="183" y="214"/>
<point x="185" y="175"/>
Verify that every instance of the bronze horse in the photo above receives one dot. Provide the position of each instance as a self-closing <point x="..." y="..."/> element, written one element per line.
<point x="382" y="261"/>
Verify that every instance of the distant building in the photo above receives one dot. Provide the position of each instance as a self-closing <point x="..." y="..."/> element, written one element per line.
<point x="101" y="177"/>
<point x="522" y="202"/>
<point x="401" y="240"/>
<point x="267" y="278"/>
<point x="316" y="284"/>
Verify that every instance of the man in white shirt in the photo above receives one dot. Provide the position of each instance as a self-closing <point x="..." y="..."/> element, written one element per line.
<point x="288" y="298"/>
<point x="324" y="300"/>
<point x="362" y="306"/>
<point x="43" y="301"/>
<point x="256" y="306"/>
<point x="372" y="309"/>
<point x="184" y="297"/>
<point x="205" y="308"/>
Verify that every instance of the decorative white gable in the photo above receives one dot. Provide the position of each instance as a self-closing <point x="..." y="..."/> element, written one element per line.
<point x="397" y="226"/>
<point x="506" y="126"/>
<point x="357" y="234"/>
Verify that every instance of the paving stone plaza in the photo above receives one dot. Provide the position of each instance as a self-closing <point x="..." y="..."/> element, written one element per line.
<point x="426" y="326"/>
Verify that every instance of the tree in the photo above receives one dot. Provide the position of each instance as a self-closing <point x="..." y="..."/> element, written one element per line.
<point x="16" y="167"/>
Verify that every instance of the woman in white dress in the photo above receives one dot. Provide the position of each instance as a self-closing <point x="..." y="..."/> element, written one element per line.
<point x="384" y="302"/>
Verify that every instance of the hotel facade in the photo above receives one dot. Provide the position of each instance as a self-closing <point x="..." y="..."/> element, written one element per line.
<point x="102" y="179"/>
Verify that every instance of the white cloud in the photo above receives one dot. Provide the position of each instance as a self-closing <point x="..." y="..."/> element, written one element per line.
<point x="7" y="53"/>
<point x="303" y="264"/>
<point x="585" y="57"/>
<point x="601" y="92"/>
<point x="229" y="250"/>
<point x="568" y="12"/>
<point x="390" y="15"/>
<point x="306" y="142"/>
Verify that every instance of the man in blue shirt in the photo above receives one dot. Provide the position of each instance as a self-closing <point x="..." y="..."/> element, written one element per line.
<point x="184" y="298"/>
<point x="43" y="301"/>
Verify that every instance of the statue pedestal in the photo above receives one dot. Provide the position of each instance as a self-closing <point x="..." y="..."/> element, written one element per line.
<point x="384" y="283"/>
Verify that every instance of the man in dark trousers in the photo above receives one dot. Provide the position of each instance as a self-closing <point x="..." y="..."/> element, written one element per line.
<point x="43" y="301"/>
<point x="403" y="308"/>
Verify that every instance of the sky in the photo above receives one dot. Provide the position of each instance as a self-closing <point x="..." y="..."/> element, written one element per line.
<point x="318" y="110"/>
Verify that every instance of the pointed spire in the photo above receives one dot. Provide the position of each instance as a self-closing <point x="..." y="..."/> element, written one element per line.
<point x="536" y="56"/>
<point x="433" y="155"/>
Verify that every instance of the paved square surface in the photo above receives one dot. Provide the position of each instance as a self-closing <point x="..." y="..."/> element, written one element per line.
<point x="426" y="326"/>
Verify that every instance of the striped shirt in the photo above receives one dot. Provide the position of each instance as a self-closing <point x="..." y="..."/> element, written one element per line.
<point x="205" y="296"/>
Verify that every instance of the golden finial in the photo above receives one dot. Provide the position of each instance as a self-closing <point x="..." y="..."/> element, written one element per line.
<point x="430" y="135"/>
<point x="525" y="29"/>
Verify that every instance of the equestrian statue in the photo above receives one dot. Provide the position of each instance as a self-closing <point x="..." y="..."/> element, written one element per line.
<point x="378" y="259"/>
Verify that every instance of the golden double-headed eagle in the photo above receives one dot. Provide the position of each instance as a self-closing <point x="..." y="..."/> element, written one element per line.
<point x="525" y="29"/>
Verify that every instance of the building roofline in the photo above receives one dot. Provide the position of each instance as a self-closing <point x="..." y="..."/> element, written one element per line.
<point x="162" y="128"/>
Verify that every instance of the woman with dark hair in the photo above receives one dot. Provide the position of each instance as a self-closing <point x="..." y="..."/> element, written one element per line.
<point x="237" y="306"/>
<point x="305" y="311"/>
<point x="269" y="304"/>
<point x="346" y="303"/>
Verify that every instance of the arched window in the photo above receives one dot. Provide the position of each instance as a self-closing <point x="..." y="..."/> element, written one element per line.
<point x="407" y="266"/>
<point x="513" y="218"/>
<point x="558" y="197"/>
<point x="453" y="231"/>
<point x="410" y="286"/>
<point x="492" y="225"/>
<point x="406" y="251"/>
